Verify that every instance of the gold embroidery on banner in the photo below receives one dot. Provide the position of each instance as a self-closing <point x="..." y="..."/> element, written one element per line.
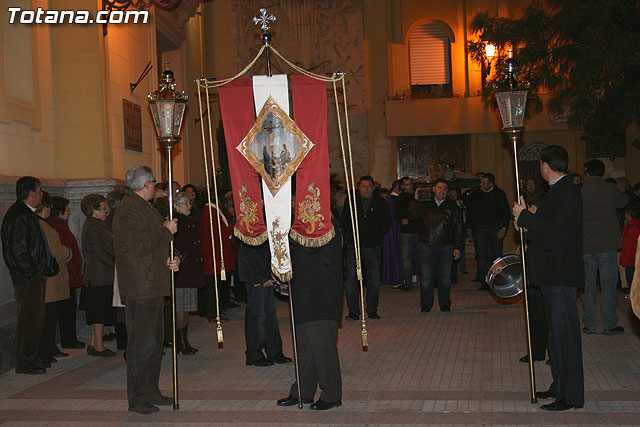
<point x="279" y="245"/>
<point x="248" y="209"/>
<point x="308" y="210"/>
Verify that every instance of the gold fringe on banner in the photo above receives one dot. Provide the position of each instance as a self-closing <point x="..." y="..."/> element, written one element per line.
<point x="312" y="242"/>
<point x="283" y="277"/>
<point x="253" y="241"/>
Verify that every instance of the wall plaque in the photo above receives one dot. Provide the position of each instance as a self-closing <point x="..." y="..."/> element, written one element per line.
<point x="132" y="125"/>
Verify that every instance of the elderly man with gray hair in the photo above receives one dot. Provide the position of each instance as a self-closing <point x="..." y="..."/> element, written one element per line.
<point x="142" y="240"/>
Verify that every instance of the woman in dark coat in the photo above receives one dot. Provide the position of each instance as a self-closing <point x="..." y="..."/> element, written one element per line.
<point x="59" y="219"/>
<point x="191" y="274"/>
<point x="99" y="254"/>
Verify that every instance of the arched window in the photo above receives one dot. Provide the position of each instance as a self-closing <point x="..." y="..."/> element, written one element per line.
<point x="430" y="60"/>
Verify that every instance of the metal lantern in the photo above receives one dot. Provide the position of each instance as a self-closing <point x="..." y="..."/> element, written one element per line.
<point x="167" y="107"/>
<point x="512" y="105"/>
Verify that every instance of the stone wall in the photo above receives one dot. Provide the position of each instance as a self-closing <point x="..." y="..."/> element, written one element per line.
<point x="322" y="36"/>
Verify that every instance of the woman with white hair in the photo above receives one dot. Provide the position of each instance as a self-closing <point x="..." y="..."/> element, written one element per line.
<point x="191" y="274"/>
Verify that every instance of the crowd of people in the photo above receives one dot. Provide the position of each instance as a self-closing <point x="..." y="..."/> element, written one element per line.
<point x="119" y="275"/>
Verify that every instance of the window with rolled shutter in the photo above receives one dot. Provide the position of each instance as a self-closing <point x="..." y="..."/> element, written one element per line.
<point x="430" y="59"/>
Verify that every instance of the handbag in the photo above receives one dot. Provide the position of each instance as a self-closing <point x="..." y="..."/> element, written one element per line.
<point x="52" y="269"/>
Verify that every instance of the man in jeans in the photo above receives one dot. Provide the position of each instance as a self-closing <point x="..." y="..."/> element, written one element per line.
<point x="408" y="232"/>
<point x="441" y="242"/>
<point x="374" y="221"/>
<point x="602" y="239"/>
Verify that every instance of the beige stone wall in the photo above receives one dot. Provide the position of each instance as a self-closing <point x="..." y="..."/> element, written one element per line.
<point x="128" y="49"/>
<point x="27" y="133"/>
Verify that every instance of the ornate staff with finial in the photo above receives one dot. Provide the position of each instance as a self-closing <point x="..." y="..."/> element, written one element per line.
<point x="264" y="19"/>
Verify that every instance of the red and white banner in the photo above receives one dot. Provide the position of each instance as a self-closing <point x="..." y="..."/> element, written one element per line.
<point x="274" y="147"/>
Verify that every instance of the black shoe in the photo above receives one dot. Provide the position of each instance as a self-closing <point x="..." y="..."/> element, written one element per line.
<point x="59" y="353"/>
<point x="292" y="400"/>
<point x="48" y="359"/>
<point x="74" y="345"/>
<point x="548" y="362"/>
<point x="545" y="394"/>
<point x="373" y="315"/>
<point x="162" y="401"/>
<point x="425" y="309"/>
<point x="525" y="359"/>
<point x="589" y="331"/>
<point x="559" y="405"/>
<point x="321" y="405"/>
<point x="445" y="308"/>
<point x="102" y="353"/>
<point x="144" y="408"/>
<point x="352" y="316"/>
<point x="280" y="359"/>
<point x="260" y="362"/>
<point x="615" y="331"/>
<point x="484" y="287"/>
<point x="109" y="337"/>
<point x="31" y="371"/>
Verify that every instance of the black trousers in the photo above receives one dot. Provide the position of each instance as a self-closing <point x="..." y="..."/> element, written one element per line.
<point x="29" y="296"/>
<point x="565" y="343"/>
<point x="488" y="248"/>
<point x="67" y="318"/>
<point x="145" y="329"/>
<point x="48" y="339"/>
<point x="318" y="361"/>
<point x="261" y="328"/>
<point x="537" y="323"/>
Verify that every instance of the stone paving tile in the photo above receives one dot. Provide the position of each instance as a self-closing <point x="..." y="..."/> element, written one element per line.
<point x="458" y="368"/>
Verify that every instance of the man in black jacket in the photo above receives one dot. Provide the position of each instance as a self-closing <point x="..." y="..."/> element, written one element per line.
<point x="27" y="256"/>
<point x="374" y="220"/>
<point x="488" y="216"/>
<point x="441" y="242"/>
<point x="556" y="265"/>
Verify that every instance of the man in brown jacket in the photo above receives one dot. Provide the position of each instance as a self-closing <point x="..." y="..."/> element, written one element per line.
<point x="142" y="239"/>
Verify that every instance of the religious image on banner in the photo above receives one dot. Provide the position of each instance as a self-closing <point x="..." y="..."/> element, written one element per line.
<point x="275" y="146"/>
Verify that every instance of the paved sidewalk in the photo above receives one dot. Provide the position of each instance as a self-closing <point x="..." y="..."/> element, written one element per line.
<point x="457" y="368"/>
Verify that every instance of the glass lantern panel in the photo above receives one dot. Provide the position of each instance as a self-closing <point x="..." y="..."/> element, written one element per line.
<point x="178" y="116"/>
<point x="512" y="105"/>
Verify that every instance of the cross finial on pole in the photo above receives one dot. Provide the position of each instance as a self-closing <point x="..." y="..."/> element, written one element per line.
<point x="264" y="19"/>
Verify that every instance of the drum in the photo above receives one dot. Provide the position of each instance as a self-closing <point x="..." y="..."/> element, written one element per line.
<point x="505" y="276"/>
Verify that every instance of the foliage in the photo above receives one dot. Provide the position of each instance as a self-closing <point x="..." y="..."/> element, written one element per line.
<point x="585" y="53"/>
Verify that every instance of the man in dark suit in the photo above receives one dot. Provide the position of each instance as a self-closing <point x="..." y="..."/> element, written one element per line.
<point x="555" y="257"/>
<point x="27" y="256"/>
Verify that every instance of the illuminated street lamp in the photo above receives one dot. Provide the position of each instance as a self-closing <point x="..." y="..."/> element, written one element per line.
<point x="167" y="108"/>
<point x="512" y="102"/>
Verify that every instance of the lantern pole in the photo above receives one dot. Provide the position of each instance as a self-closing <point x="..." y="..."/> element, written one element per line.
<point x="168" y="122"/>
<point x="512" y="105"/>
